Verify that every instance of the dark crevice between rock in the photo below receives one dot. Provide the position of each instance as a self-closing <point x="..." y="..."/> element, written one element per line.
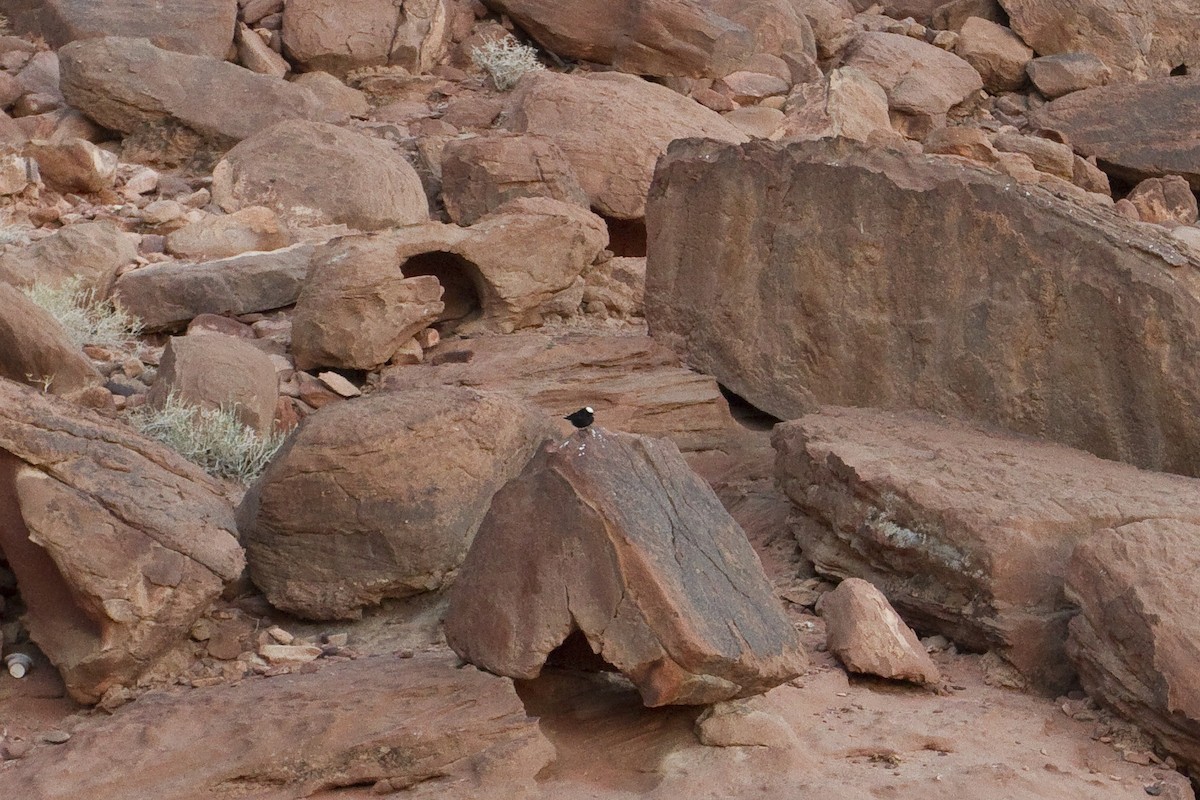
<point x="746" y="413"/>
<point x="626" y="237"/>
<point x="1179" y="71"/>
<point x="462" y="284"/>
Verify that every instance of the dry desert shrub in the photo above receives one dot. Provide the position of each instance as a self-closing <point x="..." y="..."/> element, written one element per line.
<point x="505" y="60"/>
<point x="87" y="319"/>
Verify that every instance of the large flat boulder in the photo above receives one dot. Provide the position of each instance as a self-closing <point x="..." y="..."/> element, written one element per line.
<point x="1132" y="129"/>
<point x="612" y="127"/>
<point x="829" y="272"/>
<point x="417" y="724"/>
<point x="197" y="27"/>
<point x="1135" y="38"/>
<point x="1135" y="639"/>
<point x="117" y="543"/>
<point x="90" y="252"/>
<point x="966" y="530"/>
<point x="127" y="84"/>
<point x="312" y="173"/>
<point x="704" y="38"/>
<point x="172" y="293"/>
<point x="337" y="36"/>
<point x="381" y="497"/>
<point x="608" y="542"/>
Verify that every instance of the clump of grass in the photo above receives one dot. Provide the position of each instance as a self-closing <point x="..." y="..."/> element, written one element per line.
<point x="213" y="438"/>
<point x="505" y="60"/>
<point x="87" y="319"/>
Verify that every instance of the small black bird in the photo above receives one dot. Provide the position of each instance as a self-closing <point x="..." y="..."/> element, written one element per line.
<point x="582" y="418"/>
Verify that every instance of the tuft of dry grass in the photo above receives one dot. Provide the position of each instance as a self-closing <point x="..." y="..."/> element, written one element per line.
<point x="87" y="320"/>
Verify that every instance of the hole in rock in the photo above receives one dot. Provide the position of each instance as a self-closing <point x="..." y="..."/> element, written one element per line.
<point x="63" y="626"/>
<point x="461" y="284"/>
<point x="1182" y="69"/>
<point x="626" y="237"/>
<point x="576" y="653"/>
<point x="746" y="413"/>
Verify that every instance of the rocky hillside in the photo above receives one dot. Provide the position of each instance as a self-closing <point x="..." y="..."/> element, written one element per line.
<point x="881" y="317"/>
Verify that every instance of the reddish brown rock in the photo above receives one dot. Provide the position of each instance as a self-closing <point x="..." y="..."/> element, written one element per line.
<point x="335" y="94"/>
<point x="1134" y="640"/>
<point x="35" y="350"/>
<point x="480" y="174"/>
<point x="251" y="229"/>
<point x="1136" y="38"/>
<point x="381" y="496"/>
<point x="972" y="143"/>
<point x="612" y="128"/>
<point x="952" y="15"/>
<point x="611" y="541"/>
<point x="202" y="28"/>
<point x="1064" y="73"/>
<point x="848" y="103"/>
<point x="831" y="325"/>
<point x="338" y="36"/>
<point x="295" y="735"/>
<point x="1167" y="199"/>
<point x="219" y="371"/>
<point x="1142" y="140"/>
<point x="967" y="531"/>
<point x="311" y="173"/>
<point x="89" y="251"/>
<point x="1053" y="158"/>
<point x="170" y="294"/>
<point x="118" y="544"/>
<point x="73" y="165"/>
<point x="618" y="284"/>
<point x="920" y="10"/>
<point x="868" y="636"/>
<point x="996" y="53"/>
<point x="257" y="56"/>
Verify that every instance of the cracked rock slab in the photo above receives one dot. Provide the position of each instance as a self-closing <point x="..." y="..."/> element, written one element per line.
<point x="610" y="538"/>
<point x="117" y="543"/>
<point x="967" y="531"/>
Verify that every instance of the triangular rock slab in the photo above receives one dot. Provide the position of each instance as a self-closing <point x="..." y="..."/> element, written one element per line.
<point x="384" y="722"/>
<point x="613" y="536"/>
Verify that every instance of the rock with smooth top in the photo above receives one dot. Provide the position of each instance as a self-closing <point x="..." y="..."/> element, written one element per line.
<point x="1168" y="199"/>
<point x="74" y="165"/>
<point x="338" y="36"/>
<point x="90" y="252"/>
<point x="868" y="636"/>
<point x="197" y="27"/>
<point x="219" y="371"/>
<point x="35" y="350"/>
<point x="1064" y="73"/>
<point x="996" y="53"/>
<point x="252" y="229"/>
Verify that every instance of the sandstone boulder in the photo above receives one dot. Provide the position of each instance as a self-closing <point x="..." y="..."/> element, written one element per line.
<point x="996" y="53"/>
<point x="953" y="15"/>
<point x="381" y="496"/>
<point x="171" y="294"/>
<point x="634" y="383"/>
<point x="311" y="173"/>
<point x="966" y="530"/>
<point x="117" y="543"/>
<point x="868" y="636"/>
<point x="129" y="84"/>
<point x="920" y="10"/>
<point x="710" y="38"/>
<point x="619" y="284"/>
<point x="480" y="174"/>
<point x="199" y="27"/>
<point x="251" y="229"/>
<point x="1168" y="199"/>
<point x="1142" y="140"/>
<point x="612" y="128"/>
<point x="1136" y="38"/>
<point x="797" y="273"/>
<point x="922" y="82"/>
<point x="1064" y="73"/>
<point x="1049" y="156"/>
<point x="832" y="26"/>
<point x="337" y="36"/>
<point x="74" y="165"/>
<point x="1134" y="640"/>
<point x="357" y="307"/>
<point x="91" y="252"/>
<point x="257" y="56"/>
<point x="295" y="735"/>
<point x="609" y="544"/>
<point x="848" y="103"/>
<point x="35" y="350"/>
<point x="218" y="371"/>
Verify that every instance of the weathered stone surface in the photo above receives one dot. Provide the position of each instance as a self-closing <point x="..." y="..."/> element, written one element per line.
<point x="218" y="371"/>
<point x="90" y="251"/>
<point x="480" y="174"/>
<point x="311" y="173"/>
<point x="337" y="36"/>
<point x="996" y="53"/>
<point x="848" y="103"/>
<point x="832" y="25"/>
<point x="295" y="735"/>
<point x="972" y="143"/>
<point x="249" y="230"/>
<point x="35" y="350"/>
<point x="118" y="544"/>
<point x="381" y="496"/>
<point x="171" y="294"/>
<point x="1064" y="73"/>
<point x="967" y="531"/>
<point x="129" y="84"/>
<point x="611" y="538"/>
<point x="1134" y="640"/>
<point x="197" y="27"/>
<point x="1047" y="155"/>
<point x="335" y="94"/>
<point x="635" y="384"/>
<point x="952" y="15"/>
<point x="74" y="165"/>
<point x="920" y="10"/>
<point x="922" y="82"/>
<point x="618" y="283"/>
<point x="257" y="56"/>
<point x="782" y="271"/>
<point x="1136" y="38"/>
<point x="711" y="38"/>
<point x="1167" y="199"/>
<point x="629" y="123"/>
<point x="868" y="636"/>
<point x="1139" y="141"/>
